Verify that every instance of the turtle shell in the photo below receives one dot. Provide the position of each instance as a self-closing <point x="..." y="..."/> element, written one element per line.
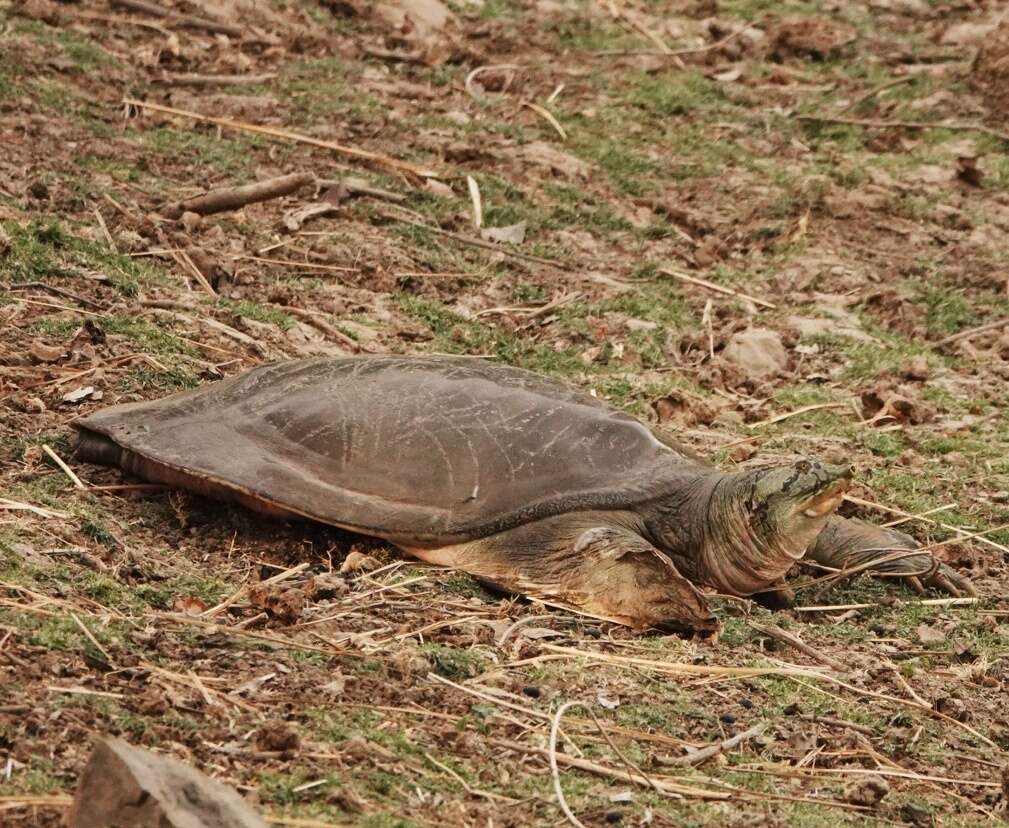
<point x="422" y="451"/>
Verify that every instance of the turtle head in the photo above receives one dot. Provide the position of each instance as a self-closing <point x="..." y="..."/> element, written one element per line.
<point x="790" y="505"/>
<point x="758" y="523"/>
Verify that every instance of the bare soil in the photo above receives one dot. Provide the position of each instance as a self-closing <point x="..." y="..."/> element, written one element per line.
<point x="836" y="171"/>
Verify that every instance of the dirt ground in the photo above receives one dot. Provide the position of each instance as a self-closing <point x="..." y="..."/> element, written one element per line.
<point x="656" y="181"/>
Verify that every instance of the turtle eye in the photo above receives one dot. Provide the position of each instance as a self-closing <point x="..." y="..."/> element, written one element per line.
<point x="802" y="466"/>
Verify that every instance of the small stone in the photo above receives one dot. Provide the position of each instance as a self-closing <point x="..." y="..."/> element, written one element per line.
<point x="759" y="352"/>
<point x="613" y="817"/>
<point x="930" y="636"/>
<point x="727" y="718"/>
<point x="915" y="368"/>
<point x="277" y="737"/>
<point x="532" y="692"/>
<point x="191" y="221"/>
<point x="867" y="791"/>
<point x="457" y="117"/>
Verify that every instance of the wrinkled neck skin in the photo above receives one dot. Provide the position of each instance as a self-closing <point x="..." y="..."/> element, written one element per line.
<point x="715" y="539"/>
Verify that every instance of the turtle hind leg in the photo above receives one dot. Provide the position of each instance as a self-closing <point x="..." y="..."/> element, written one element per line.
<point x="847" y="542"/>
<point x="588" y="563"/>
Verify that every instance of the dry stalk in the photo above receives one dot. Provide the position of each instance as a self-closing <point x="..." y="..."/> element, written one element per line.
<point x="693" y="280"/>
<point x="242" y="126"/>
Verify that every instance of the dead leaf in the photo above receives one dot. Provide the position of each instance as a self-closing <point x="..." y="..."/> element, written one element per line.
<point x="915" y="368"/>
<point x="686" y="409"/>
<point x="512" y="234"/>
<point x="967" y="171"/>
<point x="189" y="605"/>
<point x="277" y="737"/>
<point x="80" y="394"/>
<point x="540" y="154"/>
<point x="930" y="636"/>
<point x="253" y="685"/>
<point x="296" y="217"/>
<point x="439" y="188"/>
<point x="41" y="352"/>
<point x="358" y="562"/>
<point x="867" y="791"/>
<point x="283" y="603"/>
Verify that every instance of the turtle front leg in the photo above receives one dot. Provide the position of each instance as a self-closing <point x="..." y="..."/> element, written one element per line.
<point x="846" y="542"/>
<point x="589" y="563"/>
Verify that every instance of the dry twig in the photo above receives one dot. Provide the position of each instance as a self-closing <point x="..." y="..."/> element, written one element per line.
<point x="693" y="280"/>
<point x="274" y="132"/>
<point x="234" y="198"/>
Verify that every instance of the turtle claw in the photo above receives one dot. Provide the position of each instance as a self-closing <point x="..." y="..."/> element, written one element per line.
<point x="915" y="584"/>
<point x="952" y="583"/>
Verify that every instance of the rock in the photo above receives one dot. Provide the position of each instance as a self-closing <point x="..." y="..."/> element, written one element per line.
<point x="560" y="163"/>
<point x="759" y="352"/>
<point x="915" y="368"/>
<point x="967" y="34"/>
<point x="429" y="15"/>
<point x="512" y="234"/>
<point x="277" y="737"/>
<point x="128" y="787"/>
<point x="989" y="74"/>
<point x="810" y="37"/>
<point x="40" y="352"/>
<point x="868" y="791"/>
<point x="930" y="636"/>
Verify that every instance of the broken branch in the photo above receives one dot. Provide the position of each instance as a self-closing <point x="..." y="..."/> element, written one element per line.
<point x="234" y="198"/>
<point x="274" y="132"/>
<point x="693" y="280"/>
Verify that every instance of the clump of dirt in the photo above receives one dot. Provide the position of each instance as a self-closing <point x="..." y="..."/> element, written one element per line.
<point x="989" y="74"/>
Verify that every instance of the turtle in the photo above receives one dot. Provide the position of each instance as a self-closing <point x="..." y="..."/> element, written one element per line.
<point x="519" y="479"/>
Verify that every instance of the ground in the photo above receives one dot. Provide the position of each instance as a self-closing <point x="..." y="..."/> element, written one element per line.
<point x="642" y="145"/>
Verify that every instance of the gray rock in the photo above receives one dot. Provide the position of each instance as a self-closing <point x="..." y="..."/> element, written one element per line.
<point x="127" y="787"/>
<point x="759" y="352"/>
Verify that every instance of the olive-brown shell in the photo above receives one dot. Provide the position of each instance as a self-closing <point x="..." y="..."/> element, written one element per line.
<point x="422" y="450"/>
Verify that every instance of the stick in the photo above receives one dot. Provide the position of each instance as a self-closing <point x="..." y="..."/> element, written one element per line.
<point x="679" y="52"/>
<point x="466" y="786"/>
<point x="698" y="757"/>
<point x="358" y="186"/>
<point x="828" y="720"/>
<point x="691" y="669"/>
<point x="717" y="288"/>
<point x="991" y="326"/>
<point x="555" y="772"/>
<point x="777" y="633"/>
<point x="216" y="80"/>
<point x="242" y="126"/>
<point x="93" y="640"/>
<point x="69" y="294"/>
<point x="474" y="195"/>
<point x="234" y="198"/>
<point x="804" y="410"/>
<point x="63" y="467"/>
<point x="870" y="122"/>
<point x="184" y="259"/>
<point x="929" y="602"/>
<point x="965" y="535"/>
<point x="485" y="245"/>
<point x="185" y="21"/>
<point x="677" y="791"/>
<point x="547" y="116"/>
<point x="276" y="579"/>
<point x="313" y="319"/>
<point x="872" y="93"/>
